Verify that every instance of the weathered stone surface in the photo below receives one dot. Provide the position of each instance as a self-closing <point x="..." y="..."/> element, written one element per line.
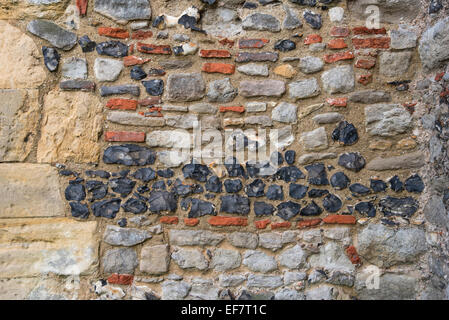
<point x="434" y="45"/>
<point x="107" y="69"/>
<point x="328" y="118"/>
<point x="353" y="161"/>
<point x="323" y="292"/>
<point x="181" y="121"/>
<point x="403" y="38"/>
<point x="20" y="63"/>
<point x="258" y="261"/>
<point x="293" y="258"/>
<point x="370" y="96"/>
<point x="231" y="280"/>
<point x="282" y="138"/>
<point x="285" y="113"/>
<point x="390" y="11"/>
<point x="129" y="155"/>
<point x="168" y="139"/>
<point x="271" y="240"/>
<point x="204" y="289"/>
<point x="313" y="157"/>
<point x="53" y="33"/>
<point x="264" y="88"/>
<point x="175" y="290"/>
<point x="264" y="281"/>
<point x="261" y="22"/>
<point x="254" y="69"/>
<point x="127" y="237"/>
<point x="44" y="9"/>
<point x="185" y="87"/>
<point x="391" y="287"/>
<point x="221" y="91"/>
<point x="243" y="240"/>
<point x="315" y="140"/>
<point x="222" y="22"/>
<point x="402" y="207"/>
<point x="408" y="161"/>
<point x="61" y="246"/>
<point x="127" y="118"/>
<point x="194" y="237"/>
<point x="386" y="247"/>
<point x="187" y="259"/>
<point x="155" y="259"/>
<point x="124" y="11"/>
<point x="311" y="64"/>
<point x="223" y="260"/>
<point x="393" y="64"/>
<point x="74" y="68"/>
<point x="338" y="80"/>
<point x="71" y="133"/>
<point x="303" y="89"/>
<point x="30" y="190"/>
<point x="332" y="258"/>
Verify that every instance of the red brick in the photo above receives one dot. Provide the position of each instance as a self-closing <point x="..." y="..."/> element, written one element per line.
<point x="262" y="224"/>
<point x="252" y="43"/>
<point x="439" y="76"/>
<point x="280" y="225"/>
<point x="150" y="101"/>
<point x="129" y="61"/>
<point x="366" y="31"/>
<point x="339" y="219"/>
<point x="365" y="79"/>
<point x="227" y="42"/>
<point x="123" y="279"/>
<point x="216" y="67"/>
<point x="365" y="64"/>
<point x="308" y="223"/>
<point x="118" y="33"/>
<point x="215" y="54"/>
<point x="131" y="48"/>
<point x="337" y="102"/>
<point x="124" y="136"/>
<point x="221" y="221"/>
<point x="141" y="34"/>
<point x="121" y="104"/>
<point x="238" y="109"/>
<point x="313" y="38"/>
<point x="352" y="254"/>
<point x="337" y="44"/>
<point x="410" y="106"/>
<point x="153" y="48"/>
<point x="378" y="43"/>
<point x="169" y="220"/>
<point x="339" y="32"/>
<point x="82" y="6"/>
<point x="191" y="222"/>
<point x="330" y="58"/>
<point x="152" y="112"/>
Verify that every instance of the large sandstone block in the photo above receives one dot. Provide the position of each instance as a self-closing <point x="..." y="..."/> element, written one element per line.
<point x="29" y="190"/>
<point x="71" y="127"/>
<point x="33" y="247"/>
<point x="23" y="9"/>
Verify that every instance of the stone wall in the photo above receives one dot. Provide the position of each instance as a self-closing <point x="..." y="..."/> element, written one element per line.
<point x="129" y="134"/>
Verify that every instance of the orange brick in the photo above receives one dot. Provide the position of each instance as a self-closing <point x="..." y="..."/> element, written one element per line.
<point x="129" y="61"/>
<point x="339" y="219"/>
<point x="365" y="64"/>
<point x="124" y="136"/>
<point x="339" y="32"/>
<point x="366" y="31"/>
<point x="216" y="67"/>
<point x="121" y="104"/>
<point x="191" y="222"/>
<point x="141" y="35"/>
<point x="123" y="279"/>
<point x="169" y="220"/>
<point x="150" y="101"/>
<point x="227" y="42"/>
<point x="365" y="79"/>
<point x="330" y="58"/>
<point x="352" y="254"/>
<point x="439" y="76"/>
<point x="337" y="102"/>
<point x="118" y="33"/>
<point x="337" y="44"/>
<point x="313" y="38"/>
<point x="262" y="224"/>
<point x="82" y="6"/>
<point x="280" y="225"/>
<point x="252" y="43"/>
<point x="308" y="223"/>
<point x="153" y="48"/>
<point x="220" y="221"/>
<point x="238" y="109"/>
<point x="215" y="54"/>
<point x="378" y="43"/>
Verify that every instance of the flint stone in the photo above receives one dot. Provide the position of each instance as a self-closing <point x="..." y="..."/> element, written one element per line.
<point x="129" y="155"/>
<point x="58" y="37"/>
<point x="261" y="22"/>
<point x="124" y="11"/>
<point x="264" y="281"/>
<point x="434" y="45"/>
<point x="293" y="258"/>
<point x="188" y="259"/>
<point x="107" y="69"/>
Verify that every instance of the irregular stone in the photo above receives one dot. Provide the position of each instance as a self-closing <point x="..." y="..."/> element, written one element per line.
<point x="122" y="12"/>
<point x="257" y="57"/>
<point x="284" y="45"/>
<point x="297" y="191"/>
<point x="352" y="161"/>
<point x="291" y="20"/>
<point x="403" y="207"/>
<point x="387" y="120"/>
<point x="231" y="280"/>
<point x="204" y="289"/>
<point x="120" y="89"/>
<point x="162" y="201"/>
<point x="338" y="80"/>
<point x="313" y="19"/>
<point x="282" y="137"/>
<point x="169" y="139"/>
<point x="370" y="96"/>
<point x="201" y="208"/>
<point x="170" y="64"/>
<point x="113" y="48"/>
<point x="323" y="292"/>
<point x="271" y="240"/>
<point x="254" y="69"/>
<point x="187" y="259"/>
<point x="264" y="281"/>
<point x="285" y="70"/>
<point x="106" y="208"/>
<point x="181" y="121"/>
<point x="243" y="240"/>
<point x="194" y="237"/>
<point x="86" y="44"/>
<point x="315" y="140"/>
<point x="75" y="191"/>
<point x="393" y="64"/>
<point x="235" y="204"/>
<point x="289" y="174"/>
<point x="137" y="73"/>
<point x="293" y="258"/>
<point x="414" y="184"/>
<point x="313" y="157"/>
<point x="261" y="22"/>
<point x="391" y="287"/>
<point x="285" y="113"/>
<point x="332" y="203"/>
<point x="403" y="38"/>
<point x="263" y="209"/>
<point x="120" y="260"/>
<point x="434" y="43"/>
<point x="265" y="88"/>
<point x="135" y="206"/>
<point x="288" y="210"/>
<point x="289" y="294"/>
<point x="311" y="64"/>
<point x="175" y="290"/>
<point x="328" y="118"/>
<point x="223" y="260"/>
<point x="221" y="91"/>
<point x="203" y="108"/>
<point x="154" y="87"/>
<point x="304" y="89"/>
<point x="53" y="33"/>
<point x="128" y="237"/>
<point x="258" y="261"/>
<point x="51" y="58"/>
<point x="408" y="161"/>
<point x="311" y="210"/>
<point x="359" y="189"/>
<point x="336" y="14"/>
<point x="129" y="155"/>
<point x="332" y="258"/>
<point x="185" y="87"/>
<point x="107" y="69"/>
<point x="386" y="247"/>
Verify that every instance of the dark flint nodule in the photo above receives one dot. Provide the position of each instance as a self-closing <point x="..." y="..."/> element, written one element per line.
<point x="137" y="73"/>
<point x="233" y="186"/>
<point x="276" y="158"/>
<point x="75" y="192"/>
<point x="263" y="209"/>
<point x="135" y="206"/>
<point x="285" y="45"/>
<point x="366" y="209"/>
<point x="396" y="184"/>
<point x="198" y="172"/>
<point x="112" y="48"/>
<point x="378" y="185"/>
<point x="235" y="204"/>
<point x="79" y="210"/>
<point x="214" y="184"/>
<point x="290" y="156"/>
<point x="123" y="186"/>
<point x="346" y="133"/>
<point x="255" y="188"/>
<point x="311" y="210"/>
<point x="106" y="208"/>
<point x="289" y="174"/>
<point x="317" y="174"/>
<point x="162" y="201"/>
<point x="51" y="58"/>
<point x="154" y="87"/>
<point x="359" y="189"/>
<point x="340" y="181"/>
<point x="275" y="192"/>
<point x="98" y="189"/>
<point x="414" y="184"/>
<point x="166" y="173"/>
<point x="317" y="193"/>
<point x="402" y="207"/>
<point x="288" y="210"/>
<point x="332" y="203"/>
<point x="201" y="208"/>
<point x="297" y="191"/>
<point x="86" y="44"/>
<point x="129" y="155"/>
<point x="144" y="174"/>
<point x="353" y="161"/>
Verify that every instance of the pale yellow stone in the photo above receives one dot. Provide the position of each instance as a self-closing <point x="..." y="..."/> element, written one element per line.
<point x="304" y="112"/>
<point x="21" y="61"/>
<point x="71" y="127"/>
<point x="25" y="9"/>
<point x="380" y="145"/>
<point x="407" y="144"/>
<point x="155" y="259"/>
<point x="19" y="117"/>
<point x="29" y="190"/>
<point x="286" y="71"/>
<point x="33" y="247"/>
<point x="233" y="122"/>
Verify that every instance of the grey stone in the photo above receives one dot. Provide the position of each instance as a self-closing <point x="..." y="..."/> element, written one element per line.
<point x="328" y="118"/>
<point x="291" y="277"/>
<point x="203" y="289"/>
<point x="271" y="240"/>
<point x="387" y="120"/>
<point x="263" y="88"/>
<point x="332" y="257"/>
<point x="386" y="247"/>
<point x="74" y="68"/>
<point x="124" y="11"/>
<point x="337" y="233"/>
<point x="434" y="45"/>
<point x="291" y="20"/>
<point x="312" y="236"/>
<point x="390" y="11"/>
<point x="258" y="261"/>
<point x="313" y="157"/>
<point x="264" y="121"/>
<point x="317" y="47"/>
<point x="128" y="237"/>
<point x="257" y="57"/>
<point x="181" y="121"/>
<point x="311" y="64"/>
<point x="315" y="140"/>
<point x="435" y="212"/>
<point x="243" y="240"/>
<point x="391" y="287"/>
<point x="194" y="237"/>
<point x="282" y="137"/>
<point x="107" y="69"/>
<point x="188" y="259"/>
<point x="134" y="119"/>
<point x="166" y="107"/>
<point x="53" y="33"/>
<point x="290" y="236"/>
<point x="261" y="22"/>
<point x="338" y="80"/>
<point x="304" y="89"/>
<point x="264" y="281"/>
<point x="289" y="294"/>
<point x="223" y="260"/>
<point x="323" y="292"/>
<point x="155" y="259"/>
<point x="222" y="22"/>
<point x="254" y="69"/>
<point x="285" y="113"/>
<point x="175" y="290"/>
<point x="336" y="14"/>
<point x="221" y="91"/>
<point x="370" y="96"/>
<point x="293" y="258"/>
<point x="171" y="64"/>
<point x="120" y="89"/>
<point x="408" y="161"/>
<point x="169" y="139"/>
<point x="121" y="261"/>
<point x="185" y="87"/>
<point x="403" y="38"/>
<point x="231" y="280"/>
<point x="256" y="107"/>
<point x="393" y="64"/>
<point x="340" y="278"/>
<point x="205" y="108"/>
